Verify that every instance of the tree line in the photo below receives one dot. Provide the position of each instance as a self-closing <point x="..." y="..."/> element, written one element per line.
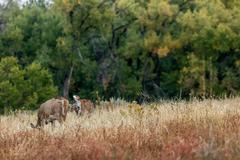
<point x="134" y="49"/>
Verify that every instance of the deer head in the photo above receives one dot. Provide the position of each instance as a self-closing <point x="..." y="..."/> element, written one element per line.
<point x="77" y="105"/>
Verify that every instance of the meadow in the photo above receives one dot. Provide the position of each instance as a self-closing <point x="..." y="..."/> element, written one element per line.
<point x="168" y="130"/>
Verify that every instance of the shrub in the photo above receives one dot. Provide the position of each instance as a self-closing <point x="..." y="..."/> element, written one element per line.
<point x="23" y="87"/>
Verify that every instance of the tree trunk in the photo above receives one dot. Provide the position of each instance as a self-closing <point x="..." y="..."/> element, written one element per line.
<point x="203" y="79"/>
<point x="67" y="83"/>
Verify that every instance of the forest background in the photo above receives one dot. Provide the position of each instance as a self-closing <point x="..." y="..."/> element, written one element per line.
<point x="133" y="49"/>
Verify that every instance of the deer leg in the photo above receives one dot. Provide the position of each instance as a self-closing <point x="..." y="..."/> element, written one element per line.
<point x="52" y="119"/>
<point x="78" y="113"/>
<point x="53" y="124"/>
<point x="59" y="118"/>
<point x="88" y="114"/>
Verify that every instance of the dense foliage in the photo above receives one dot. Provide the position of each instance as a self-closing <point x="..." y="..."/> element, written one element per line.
<point x="25" y="87"/>
<point x="135" y="49"/>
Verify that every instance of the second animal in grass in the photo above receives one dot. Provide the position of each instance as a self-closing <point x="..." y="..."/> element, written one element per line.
<point x="82" y="106"/>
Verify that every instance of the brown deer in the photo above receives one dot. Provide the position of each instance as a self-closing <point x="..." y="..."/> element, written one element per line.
<point x="51" y="110"/>
<point x="82" y="105"/>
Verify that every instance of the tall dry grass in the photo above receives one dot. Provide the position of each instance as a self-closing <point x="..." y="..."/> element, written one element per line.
<point x="168" y="130"/>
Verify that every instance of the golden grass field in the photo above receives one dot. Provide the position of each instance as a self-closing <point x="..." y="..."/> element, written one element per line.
<point x="168" y="130"/>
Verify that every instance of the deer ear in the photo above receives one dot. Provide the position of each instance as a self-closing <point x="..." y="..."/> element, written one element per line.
<point x="75" y="98"/>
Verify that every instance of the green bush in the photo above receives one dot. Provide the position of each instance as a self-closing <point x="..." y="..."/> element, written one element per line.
<point x="24" y="87"/>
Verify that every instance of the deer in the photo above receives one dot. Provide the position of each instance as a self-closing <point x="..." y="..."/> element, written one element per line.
<point x="52" y="110"/>
<point x="82" y="106"/>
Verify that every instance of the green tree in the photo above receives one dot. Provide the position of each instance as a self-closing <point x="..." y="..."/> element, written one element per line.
<point x="38" y="33"/>
<point x="24" y="87"/>
<point x="11" y="82"/>
<point x="211" y="31"/>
